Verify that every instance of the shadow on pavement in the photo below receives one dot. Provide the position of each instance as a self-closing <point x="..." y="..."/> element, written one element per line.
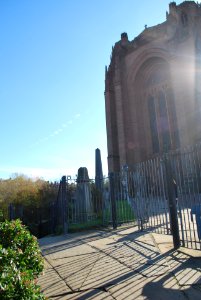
<point x="119" y="266"/>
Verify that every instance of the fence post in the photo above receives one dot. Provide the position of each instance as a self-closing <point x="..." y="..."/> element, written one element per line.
<point x="64" y="204"/>
<point x="52" y="216"/>
<point x="11" y="212"/>
<point x="172" y="203"/>
<point x="113" y="200"/>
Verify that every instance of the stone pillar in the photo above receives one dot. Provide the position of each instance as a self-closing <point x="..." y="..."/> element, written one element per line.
<point x="99" y="171"/>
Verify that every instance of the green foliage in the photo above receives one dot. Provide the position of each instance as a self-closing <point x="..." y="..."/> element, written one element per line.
<point x="23" y="190"/>
<point x="123" y="210"/>
<point x="20" y="262"/>
<point x="86" y="225"/>
<point x="31" y="201"/>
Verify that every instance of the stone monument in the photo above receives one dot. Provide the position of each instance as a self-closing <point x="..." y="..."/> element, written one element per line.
<point x="99" y="171"/>
<point x="83" y="203"/>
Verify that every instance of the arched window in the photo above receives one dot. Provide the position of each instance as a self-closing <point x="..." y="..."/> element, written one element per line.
<point x="184" y="19"/>
<point x="173" y="118"/>
<point x="153" y="124"/>
<point x="164" y="122"/>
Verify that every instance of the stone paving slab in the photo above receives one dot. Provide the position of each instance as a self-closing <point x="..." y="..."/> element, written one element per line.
<point x="144" y="288"/>
<point x="70" y="254"/>
<point x="184" y="263"/>
<point x="188" y="276"/>
<point x="51" y="282"/>
<point x="123" y="264"/>
<point x="93" y="294"/>
<point x="105" y="271"/>
<point x="192" y="293"/>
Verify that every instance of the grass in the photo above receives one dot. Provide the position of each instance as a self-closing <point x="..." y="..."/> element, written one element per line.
<point x="124" y="214"/>
<point x="124" y="211"/>
<point x="86" y="225"/>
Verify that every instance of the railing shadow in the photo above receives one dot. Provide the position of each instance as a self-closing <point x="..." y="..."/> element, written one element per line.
<point x="129" y="266"/>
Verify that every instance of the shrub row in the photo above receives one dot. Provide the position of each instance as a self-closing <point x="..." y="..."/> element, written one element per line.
<point x="21" y="263"/>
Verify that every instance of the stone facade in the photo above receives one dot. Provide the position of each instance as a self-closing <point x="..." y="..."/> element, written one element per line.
<point x="153" y="88"/>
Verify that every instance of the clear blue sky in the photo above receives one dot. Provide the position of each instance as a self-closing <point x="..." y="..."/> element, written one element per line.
<point x="52" y="62"/>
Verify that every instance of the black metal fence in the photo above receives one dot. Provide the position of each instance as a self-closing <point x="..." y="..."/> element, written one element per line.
<point x="90" y="205"/>
<point x="165" y="194"/>
<point x="186" y="167"/>
<point x="40" y="217"/>
<point x="144" y="191"/>
<point x="39" y="220"/>
<point x="162" y="194"/>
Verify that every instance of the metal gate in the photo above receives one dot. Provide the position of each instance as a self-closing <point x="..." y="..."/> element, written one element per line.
<point x="186" y="166"/>
<point x="166" y="195"/>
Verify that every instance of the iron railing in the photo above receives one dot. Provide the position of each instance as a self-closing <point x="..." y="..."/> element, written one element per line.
<point x="165" y="194"/>
<point x="162" y="194"/>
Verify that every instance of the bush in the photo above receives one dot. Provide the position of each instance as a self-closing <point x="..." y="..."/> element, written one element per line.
<point x="20" y="262"/>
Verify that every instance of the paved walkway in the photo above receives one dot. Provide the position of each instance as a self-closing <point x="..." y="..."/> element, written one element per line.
<point x="121" y="264"/>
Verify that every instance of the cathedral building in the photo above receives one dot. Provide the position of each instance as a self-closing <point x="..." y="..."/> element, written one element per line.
<point x="153" y="89"/>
